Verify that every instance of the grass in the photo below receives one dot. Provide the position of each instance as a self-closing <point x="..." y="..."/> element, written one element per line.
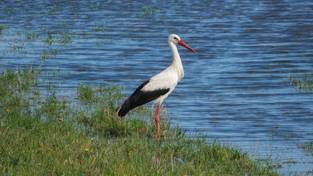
<point x="8" y="11"/>
<point x="47" y="54"/>
<point x="65" y="38"/>
<point x="302" y="82"/>
<point x="52" y="9"/>
<point x="52" y="40"/>
<point x="30" y="36"/>
<point x="2" y="27"/>
<point x="149" y="11"/>
<point x="308" y="147"/>
<point x="46" y="135"/>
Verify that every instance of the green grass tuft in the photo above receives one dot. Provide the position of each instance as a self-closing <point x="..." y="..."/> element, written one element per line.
<point x="2" y="27"/>
<point x="65" y="38"/>
<point x="47" y="54"/>
<point x="86" y="94"/>
<point x="30" y="36"/>
<point x="302" y="82"/>
<point x="149" y="11"/>
<point x="308" y="147"/>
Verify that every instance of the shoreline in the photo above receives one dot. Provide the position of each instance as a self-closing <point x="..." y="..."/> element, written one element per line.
<point x="46" y="134"/>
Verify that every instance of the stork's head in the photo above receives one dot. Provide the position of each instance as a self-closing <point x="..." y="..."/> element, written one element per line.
<point x="173" y="38"/>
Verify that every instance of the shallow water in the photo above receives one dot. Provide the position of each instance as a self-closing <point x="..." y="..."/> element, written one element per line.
<point x="236" y="86"/>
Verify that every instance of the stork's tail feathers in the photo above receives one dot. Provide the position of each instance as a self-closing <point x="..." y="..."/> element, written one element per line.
<point x="140" y="97"/>
<point x="124" y="109"/>
<point x="130" y="102"/>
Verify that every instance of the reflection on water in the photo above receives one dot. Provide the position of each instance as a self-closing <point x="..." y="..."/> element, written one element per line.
<point x="236" y="86"/>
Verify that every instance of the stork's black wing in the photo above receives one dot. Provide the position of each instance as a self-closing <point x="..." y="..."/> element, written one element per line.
<point x="140" y="97"/>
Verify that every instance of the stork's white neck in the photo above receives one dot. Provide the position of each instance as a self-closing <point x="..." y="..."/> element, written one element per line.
<point x="176" y="63"/>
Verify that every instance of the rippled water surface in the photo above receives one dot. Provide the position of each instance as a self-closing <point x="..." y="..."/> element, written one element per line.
<point x="236" y="87"/>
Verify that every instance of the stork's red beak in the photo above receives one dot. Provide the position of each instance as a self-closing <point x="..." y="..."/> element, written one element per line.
<point x="182" y="43"/>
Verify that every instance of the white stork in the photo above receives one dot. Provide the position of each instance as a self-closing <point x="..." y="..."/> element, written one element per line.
<point x="159" y="86"/>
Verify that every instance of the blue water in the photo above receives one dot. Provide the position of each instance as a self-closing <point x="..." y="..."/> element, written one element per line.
<point x="236" y="88"/>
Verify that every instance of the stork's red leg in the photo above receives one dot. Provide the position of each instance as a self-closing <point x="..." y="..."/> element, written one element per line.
<point x="157" y="121"/>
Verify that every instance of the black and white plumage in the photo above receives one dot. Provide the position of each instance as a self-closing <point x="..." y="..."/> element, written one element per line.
<point x="158" y="87"/>
<point x="140" y="97"/>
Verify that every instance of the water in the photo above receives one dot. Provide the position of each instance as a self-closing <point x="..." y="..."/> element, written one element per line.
<point x="236" y="87"/>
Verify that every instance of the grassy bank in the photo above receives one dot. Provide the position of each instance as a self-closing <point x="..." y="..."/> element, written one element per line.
<point x="42" y="134"/>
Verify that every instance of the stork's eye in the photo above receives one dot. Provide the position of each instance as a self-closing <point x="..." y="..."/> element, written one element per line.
<point x="175" y="38"/>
